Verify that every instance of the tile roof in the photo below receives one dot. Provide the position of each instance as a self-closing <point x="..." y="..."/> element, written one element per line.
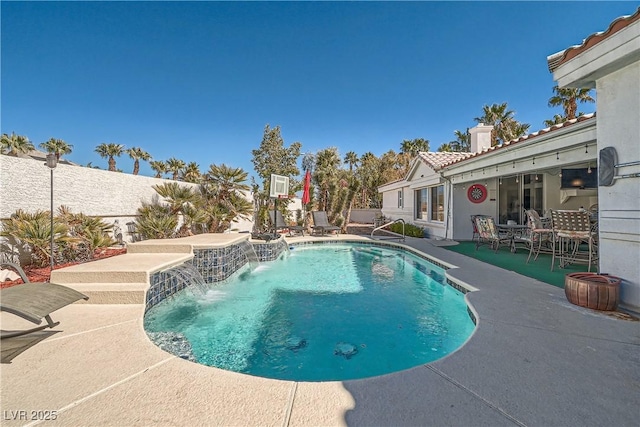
<point x="438" y="160"/>
<point x="583" y="118"/>
<point x="559" y="58"/>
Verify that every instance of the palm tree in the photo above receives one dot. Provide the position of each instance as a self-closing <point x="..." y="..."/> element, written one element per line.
<point x="57" y="147"/>
<point x="15" y="144"/>
<point x="223" y="190"/>
<point x="351" y="158"/>
<point x="568" y="98"/>
<point x="159" y="167"/>
<point x="110" y="150"/>
<point x="505" y="127"/>
<point x="446" y="147"/>
<point x="137" y="154"/>
<point x="414" y="146"/>
<point x="175" y="166"/>
<point x="175" y="195"/>
<point x="325" y="174"/>
<point x="557" y="119"/>
<point x="191" y="173"/>
<point x="462" y="143"/>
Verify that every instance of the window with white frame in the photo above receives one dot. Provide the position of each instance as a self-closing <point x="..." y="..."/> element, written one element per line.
<point x="400" y="201"/>
<point x="437" y="203"/>
<point x="422" y="204"/>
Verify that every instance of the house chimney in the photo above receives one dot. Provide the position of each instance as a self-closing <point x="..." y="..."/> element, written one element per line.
<point x="480" y="137"/>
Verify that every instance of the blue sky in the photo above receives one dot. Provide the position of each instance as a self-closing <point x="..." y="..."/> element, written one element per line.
<point x="200" y="80"/>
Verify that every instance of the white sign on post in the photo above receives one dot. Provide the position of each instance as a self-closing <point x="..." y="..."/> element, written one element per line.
<point x="279" y="186"/>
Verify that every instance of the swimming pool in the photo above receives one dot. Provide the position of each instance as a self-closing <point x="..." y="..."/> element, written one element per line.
<point x="324" y="312"/>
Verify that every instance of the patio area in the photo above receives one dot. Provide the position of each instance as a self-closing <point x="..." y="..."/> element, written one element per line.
<point x="539" y="269"/>
<point x="534" y="360"/>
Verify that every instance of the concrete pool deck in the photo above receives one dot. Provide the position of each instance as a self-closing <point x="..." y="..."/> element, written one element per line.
<point x="534" y="360"/>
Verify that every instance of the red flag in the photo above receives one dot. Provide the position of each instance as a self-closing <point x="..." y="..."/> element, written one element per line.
<point x="306" y="197"/>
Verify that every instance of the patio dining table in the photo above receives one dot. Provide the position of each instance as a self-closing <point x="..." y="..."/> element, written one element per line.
<point x="513" y="232"/>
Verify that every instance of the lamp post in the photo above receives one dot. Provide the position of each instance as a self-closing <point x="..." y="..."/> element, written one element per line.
<point x="52" y="162"/>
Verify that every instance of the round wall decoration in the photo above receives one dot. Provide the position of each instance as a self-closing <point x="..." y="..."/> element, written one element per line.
<point x="477" y="193"/>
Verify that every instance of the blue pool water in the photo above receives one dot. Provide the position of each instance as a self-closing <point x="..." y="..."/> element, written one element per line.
<point x="324" y="312"/>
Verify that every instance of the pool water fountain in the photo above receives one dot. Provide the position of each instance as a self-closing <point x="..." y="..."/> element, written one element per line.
<point x="249" y="251"/>
<point x="187" y="276"/>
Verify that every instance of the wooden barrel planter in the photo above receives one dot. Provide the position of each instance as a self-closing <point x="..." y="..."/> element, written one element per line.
<point x="592" y="290"/>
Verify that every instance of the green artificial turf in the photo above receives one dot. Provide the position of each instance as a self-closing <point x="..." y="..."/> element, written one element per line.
<point x="539" y="269"/>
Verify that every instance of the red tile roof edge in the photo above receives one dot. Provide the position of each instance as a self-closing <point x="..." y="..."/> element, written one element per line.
<point x="524" y="138"/>
<point x="557" y="59"/>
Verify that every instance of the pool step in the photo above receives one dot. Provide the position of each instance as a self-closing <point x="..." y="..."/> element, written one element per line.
<point x="111" y="293"/>
<point x="123" y="279"/>
<point x="127" y="268"/>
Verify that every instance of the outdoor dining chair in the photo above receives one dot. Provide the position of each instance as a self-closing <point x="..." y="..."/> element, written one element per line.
<point x="539" y="236"/>
<point x="572" y="230"/>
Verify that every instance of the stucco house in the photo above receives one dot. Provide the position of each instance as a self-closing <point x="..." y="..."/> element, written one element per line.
<point x="554" y="168"/>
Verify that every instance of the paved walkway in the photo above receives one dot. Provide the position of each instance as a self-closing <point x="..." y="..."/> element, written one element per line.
<point x="534" y="360"/>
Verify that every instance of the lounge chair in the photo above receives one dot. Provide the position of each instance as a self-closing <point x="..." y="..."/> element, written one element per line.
<point x="278" y="223"/>
<point x="32" y="302"/>
<point x="321" y="223"/>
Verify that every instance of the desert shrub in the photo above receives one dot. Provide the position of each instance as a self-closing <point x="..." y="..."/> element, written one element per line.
<point x="75" y="236"/>
<point x="31" y="234"/>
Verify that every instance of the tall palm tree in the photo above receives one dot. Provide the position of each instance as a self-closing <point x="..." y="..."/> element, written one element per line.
<point x="462" y="143"/>
<point x="57" y="146"/>
<point x="505" y="127"/>
<point x="447" y="147"/>
<point x="568" y="98"/>
<point x="414" y="146"/>
<point x="351" y="158"/>
<point x="137" y="154"/>
<point x="159" y="167"/>
<point x="110" y="151"/>
<point x="191" y="173"/>
<point x="325" y="174"/>
<point x="175" y="166"/>
<point x="15" y="144"/>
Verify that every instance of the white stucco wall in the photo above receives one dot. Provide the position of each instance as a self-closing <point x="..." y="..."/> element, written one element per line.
<point x="25" y="184"/>
<point x="619" y="127"/>
<point x="463" y="208"/>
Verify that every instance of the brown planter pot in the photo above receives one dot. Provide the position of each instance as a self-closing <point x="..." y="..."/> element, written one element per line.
<point x="592" y="290"/>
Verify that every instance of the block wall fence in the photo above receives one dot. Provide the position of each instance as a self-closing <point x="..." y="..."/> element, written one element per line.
<point x="25" y="184"/>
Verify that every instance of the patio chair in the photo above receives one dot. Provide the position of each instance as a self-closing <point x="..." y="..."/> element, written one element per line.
<point x="475" y="235"/>
<point x="278" y="223"/>
<point x="489" y="234"/>
<point x="321" y="223"/>
<point x="32" y="302"/>
<point x="539" y="237"/>
<point x="572" y="229"/>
